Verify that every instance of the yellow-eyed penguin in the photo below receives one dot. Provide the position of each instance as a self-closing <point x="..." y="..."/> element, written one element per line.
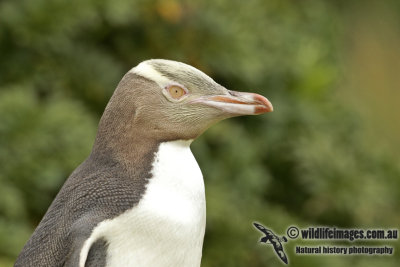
<point x="138" y="199"/>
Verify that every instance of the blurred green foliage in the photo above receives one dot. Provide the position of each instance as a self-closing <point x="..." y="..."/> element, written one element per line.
<point x="304" y="164"/>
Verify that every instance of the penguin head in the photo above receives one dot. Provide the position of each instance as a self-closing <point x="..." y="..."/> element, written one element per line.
<point x="173" y="100"/>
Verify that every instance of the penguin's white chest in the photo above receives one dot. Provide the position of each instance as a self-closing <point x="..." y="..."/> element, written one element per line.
<point x="166" y="228"/>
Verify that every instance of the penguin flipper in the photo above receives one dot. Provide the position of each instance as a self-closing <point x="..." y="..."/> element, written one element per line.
<point x="79" y="233"/>
<point x="97" y="256"/>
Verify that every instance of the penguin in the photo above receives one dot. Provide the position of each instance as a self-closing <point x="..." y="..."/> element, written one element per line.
<point x="138" y="199"/>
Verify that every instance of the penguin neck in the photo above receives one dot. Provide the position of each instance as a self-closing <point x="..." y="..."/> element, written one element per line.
<point x="129" y="144"/>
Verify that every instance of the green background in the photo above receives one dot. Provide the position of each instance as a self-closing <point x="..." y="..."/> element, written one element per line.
<point x="327" y="155"/>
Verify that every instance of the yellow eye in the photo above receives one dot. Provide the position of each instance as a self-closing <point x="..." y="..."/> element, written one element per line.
<point x="176" y="91"/>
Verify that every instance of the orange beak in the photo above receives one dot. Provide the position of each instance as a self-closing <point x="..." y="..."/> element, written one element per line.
<point x="238" y="103"/>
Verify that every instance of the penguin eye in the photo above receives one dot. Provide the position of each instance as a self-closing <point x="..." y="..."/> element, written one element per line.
<point x="176" y="91"/>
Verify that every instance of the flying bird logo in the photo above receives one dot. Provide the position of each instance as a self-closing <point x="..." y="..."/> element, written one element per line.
<point x="274" y="240"/>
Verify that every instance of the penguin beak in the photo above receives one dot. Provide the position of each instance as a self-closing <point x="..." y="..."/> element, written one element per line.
<point x="238" y="103"/>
